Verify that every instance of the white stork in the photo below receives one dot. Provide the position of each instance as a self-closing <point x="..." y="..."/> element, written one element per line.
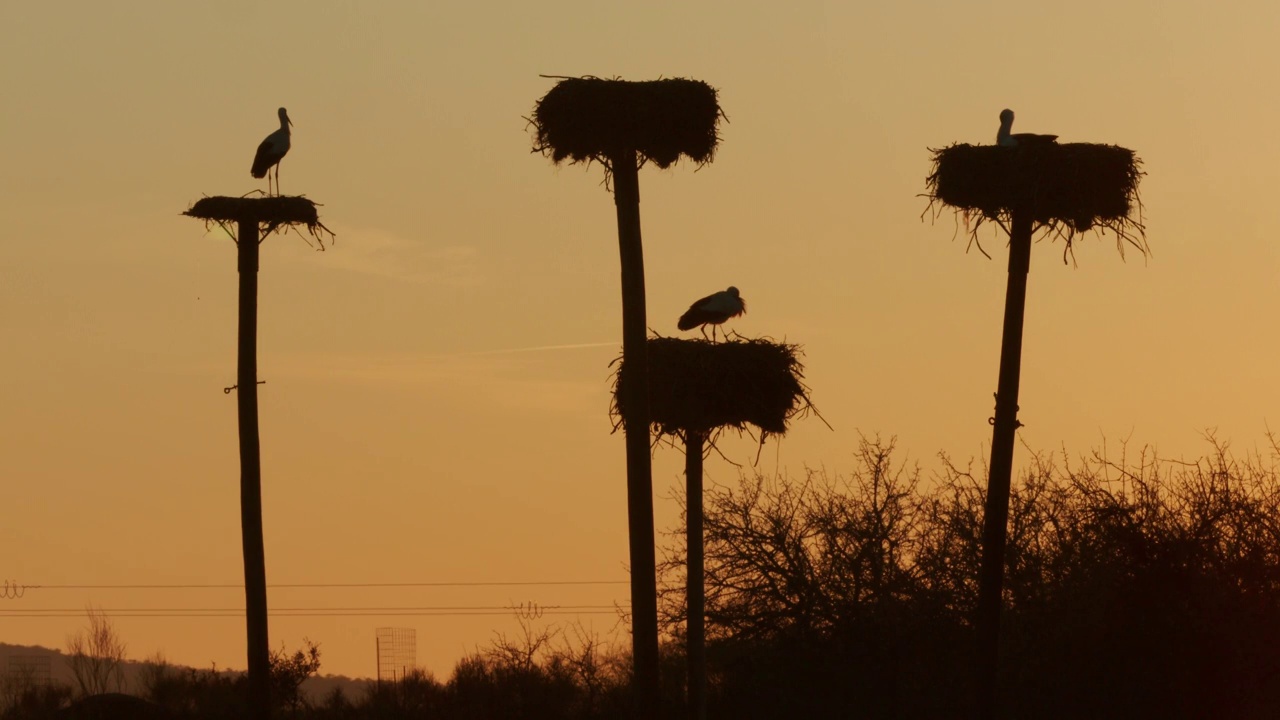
<point x="713" y="310"/>
<point x="272" y="151"/>
<point x="1006" y="138"/>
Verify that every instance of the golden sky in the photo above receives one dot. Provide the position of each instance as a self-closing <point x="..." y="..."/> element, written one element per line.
<point x="400" y="446"/>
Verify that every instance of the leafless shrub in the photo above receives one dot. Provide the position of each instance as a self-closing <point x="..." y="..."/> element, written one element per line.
<point x="96" y="655"/>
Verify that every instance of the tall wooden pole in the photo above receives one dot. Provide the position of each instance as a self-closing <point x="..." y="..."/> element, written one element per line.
<point x="695" y="588"/>
<point x="1004" y="428"/>
<point x="635" y="353"/>
<point x="255" y="564"/>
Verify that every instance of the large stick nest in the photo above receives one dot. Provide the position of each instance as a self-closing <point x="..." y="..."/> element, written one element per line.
<point x="1069" y="188"/>
<point x="272" y="212"/>
<point x="585" y="119"/>
<point x="699" y="386"/>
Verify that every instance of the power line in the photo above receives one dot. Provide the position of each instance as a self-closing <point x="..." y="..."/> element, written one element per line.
<point x="240" y="615"/>
<point x="12" y="590"/>
<point x="518" y="583"/>
<point x="81" y="611"/>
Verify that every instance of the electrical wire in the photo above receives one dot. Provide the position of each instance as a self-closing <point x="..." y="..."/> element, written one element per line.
<point x="520" y="583"/>
<point x="240" y="615"/>
<point x="413" y="608"/>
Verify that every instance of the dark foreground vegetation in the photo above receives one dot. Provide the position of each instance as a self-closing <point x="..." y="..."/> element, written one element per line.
<point x="1137" y="588"/>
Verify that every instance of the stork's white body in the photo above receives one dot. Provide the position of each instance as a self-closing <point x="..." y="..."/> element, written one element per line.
<point x="272" y="150"/>
<point x="713" y="310"/>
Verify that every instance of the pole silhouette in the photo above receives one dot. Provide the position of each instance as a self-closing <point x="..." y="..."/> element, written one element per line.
<point x="644" y="582"/>
<point x="250" y="215"/>
<point x="695" y="583"/>
<point x="1004" y="429"/>
<point x="1027" y="180"/>
<point x="255" y="561"/>
<point x="622" y="124"/>
<point x="695" y="388"/>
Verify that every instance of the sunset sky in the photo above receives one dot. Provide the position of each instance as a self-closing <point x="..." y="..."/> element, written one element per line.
<point x="437" y="381"/>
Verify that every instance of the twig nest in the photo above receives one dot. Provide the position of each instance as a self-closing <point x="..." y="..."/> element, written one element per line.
<point x="272" y="213"/>
<point x="282" y="210"/>
<point x="585" y="119"/>
<point x="1072" y="187"/>
<point x="699" y="386"/>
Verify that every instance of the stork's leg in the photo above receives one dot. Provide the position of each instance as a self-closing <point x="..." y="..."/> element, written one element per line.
<point x="703" y="328"/>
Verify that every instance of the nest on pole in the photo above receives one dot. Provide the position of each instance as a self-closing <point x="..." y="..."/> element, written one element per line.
<point x="585" y="119"/>
<point x="700" y="386"/>
<point x="1069" y="188"/>
<point x="272" y="212"/>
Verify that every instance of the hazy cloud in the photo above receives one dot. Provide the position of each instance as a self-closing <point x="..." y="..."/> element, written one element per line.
<point x="385" y="254"/>
<point x="493" y="378"/>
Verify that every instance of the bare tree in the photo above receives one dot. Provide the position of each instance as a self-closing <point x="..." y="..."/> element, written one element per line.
<point x="156" y="672"/>
<point x="525" y="651"/>
<point x="288" y="672"/>
<point x="96" y="655"/>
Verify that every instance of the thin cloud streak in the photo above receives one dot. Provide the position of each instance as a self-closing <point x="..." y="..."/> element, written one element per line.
<point x="382" y="253"/>
<point x="513" y="351"/>
<point x="329" y="365"/>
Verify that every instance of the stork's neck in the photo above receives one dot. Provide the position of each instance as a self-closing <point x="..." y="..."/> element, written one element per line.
<point x="1004" y="135"/>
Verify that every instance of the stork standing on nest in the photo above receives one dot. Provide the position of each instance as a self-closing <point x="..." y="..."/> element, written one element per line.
<point x="272" y="151"/>
<point x="1005" y="137"/>
<point x="713" y="310"/>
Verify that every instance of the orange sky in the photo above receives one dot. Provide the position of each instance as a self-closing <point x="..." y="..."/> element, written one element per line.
<point x="398" y="448"/>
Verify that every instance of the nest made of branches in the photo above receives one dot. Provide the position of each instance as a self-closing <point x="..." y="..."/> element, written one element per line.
<point x="700" y="386"/>
<point x="587" y="118"/>
<point x="1069" y="188"/>
<point x="271" y="212"/>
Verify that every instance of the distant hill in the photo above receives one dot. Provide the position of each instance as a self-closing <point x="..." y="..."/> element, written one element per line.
<point x="59" y="671"/>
